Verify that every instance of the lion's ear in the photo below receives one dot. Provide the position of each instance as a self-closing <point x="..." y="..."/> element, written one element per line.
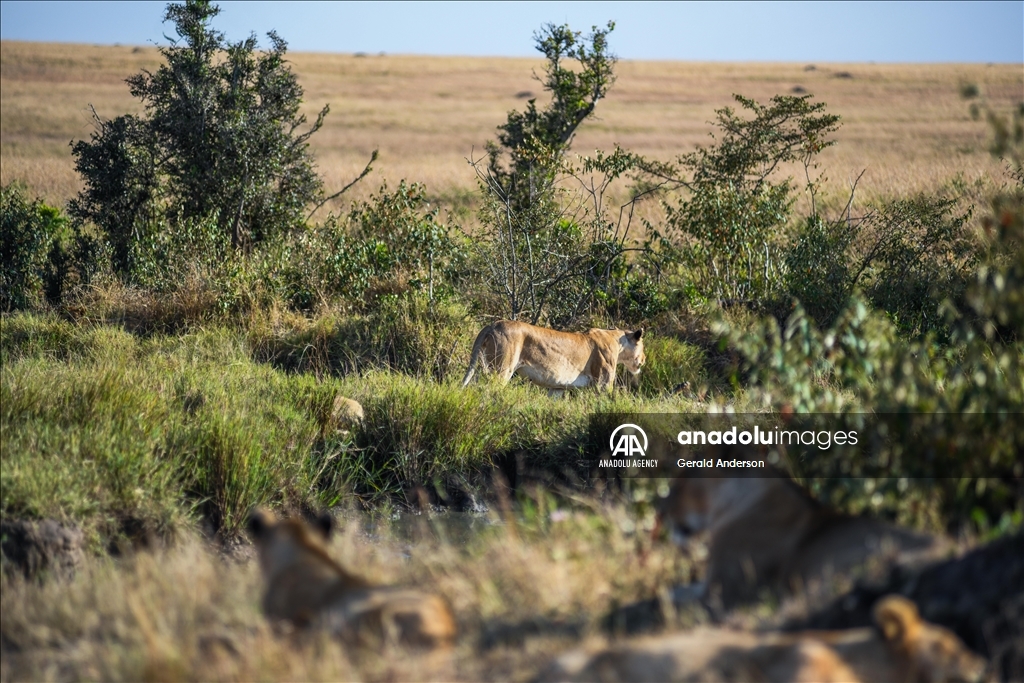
<point x="324" y="524"/>
<point x="639" y="333"/>
<point x="897" y="618"/>
<point x="258" y="523"/>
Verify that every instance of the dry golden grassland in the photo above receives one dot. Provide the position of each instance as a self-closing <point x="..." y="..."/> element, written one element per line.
<point x="905" y="125"/>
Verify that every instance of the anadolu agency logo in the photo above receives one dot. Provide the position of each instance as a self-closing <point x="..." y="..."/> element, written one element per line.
<point x="627" y="448"/>
<point x="628" y="445"/>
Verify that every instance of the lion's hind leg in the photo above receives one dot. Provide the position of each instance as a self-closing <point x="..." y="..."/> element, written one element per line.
<point x="482" y="355"/>
<point x="506" y="366"/>
<point x="505" y="359"/>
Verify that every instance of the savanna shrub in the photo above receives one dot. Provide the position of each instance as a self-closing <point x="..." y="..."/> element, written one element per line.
<point x="25" y="236"/>
<point x="391" y="243"/>
<point x="120" y="196"/>
<point x="818" y="267"/>
<point x="960" y="399"/>
<point x="403" y="240"/>
<point x="731" y="215"/>
<point x="920" y="254"/>
<point x="633" y="296"/>
<point x="42" y="254"/>
<point x="951" y="456"/>
<point x="906" y="255"/>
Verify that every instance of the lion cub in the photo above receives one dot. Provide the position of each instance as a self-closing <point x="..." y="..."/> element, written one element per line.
<point x="767" y="533"/>
<point x="902" y="648"/>
<point x="306" y="587"/>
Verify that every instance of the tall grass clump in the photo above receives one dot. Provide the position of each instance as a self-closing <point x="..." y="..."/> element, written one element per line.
<point x="404" y="332"/>
<point x="121" y="432"/>
<point x="449" y="439"/>
<point x="157" y="430"/>
<point x="672" y="365"/>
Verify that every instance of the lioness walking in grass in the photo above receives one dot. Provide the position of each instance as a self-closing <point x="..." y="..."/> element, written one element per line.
<point x="556" y="360"/>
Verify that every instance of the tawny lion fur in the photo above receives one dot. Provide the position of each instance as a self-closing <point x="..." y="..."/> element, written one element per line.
<point x="556" y="360"/>
<point x="768" y="534"/>
<point x="903" y="647"/>
<point x="306" y="587"/>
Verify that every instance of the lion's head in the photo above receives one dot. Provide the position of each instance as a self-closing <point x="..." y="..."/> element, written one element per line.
<point x="632" y="353"/>
<point x="933" y="653"/>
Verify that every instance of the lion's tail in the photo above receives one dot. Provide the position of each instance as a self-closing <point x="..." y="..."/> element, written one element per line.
<point x="474" y="358"/>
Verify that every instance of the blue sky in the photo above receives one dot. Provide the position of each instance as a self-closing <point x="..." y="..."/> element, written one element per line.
<point x="739" y="31"/>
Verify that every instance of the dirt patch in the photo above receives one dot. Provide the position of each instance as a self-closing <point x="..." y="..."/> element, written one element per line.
<point x="39" y="548"/>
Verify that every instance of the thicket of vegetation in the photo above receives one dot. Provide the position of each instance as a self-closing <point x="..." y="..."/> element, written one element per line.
<point x="174" y="341"/>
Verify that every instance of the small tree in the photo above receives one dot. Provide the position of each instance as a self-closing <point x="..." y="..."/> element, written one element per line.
<point x="119" y="167"/>
<point x="535" y="141"/>
<point x="220" y="138"/>
<point x="538" y="248"/>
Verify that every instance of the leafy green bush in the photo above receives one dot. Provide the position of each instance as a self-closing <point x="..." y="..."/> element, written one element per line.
<point x="966" y="393"/>
<point x="42" y="255"/>
<point x="818" y="267"/>
<point x="24" y="241"/>
<point x="906" y="255"/>
<point x="393" y="242"/>
<point x="731" y="215"/>
<point x="949" y="453"/>
<point x="121" y="193"/>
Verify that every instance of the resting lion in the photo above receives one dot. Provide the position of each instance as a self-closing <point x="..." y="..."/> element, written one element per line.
<point x="767" y="533"/>
<point x="902" y="647"/>
<point x="306" y="587"/>
<point x="556" y="360"/>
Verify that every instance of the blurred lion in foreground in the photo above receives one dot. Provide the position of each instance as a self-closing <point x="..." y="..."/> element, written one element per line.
<point x="769" y="534"/>
<point x="305" y="587"/>
<point x="902" y="647"/>
<point x="556" y="360"/>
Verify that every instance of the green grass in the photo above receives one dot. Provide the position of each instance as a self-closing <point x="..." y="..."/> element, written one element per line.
<point x="671" y="363"/>
<point x="120" y="432"/>
<point x="102" y="427"/>
<point x="405" y="334"/>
